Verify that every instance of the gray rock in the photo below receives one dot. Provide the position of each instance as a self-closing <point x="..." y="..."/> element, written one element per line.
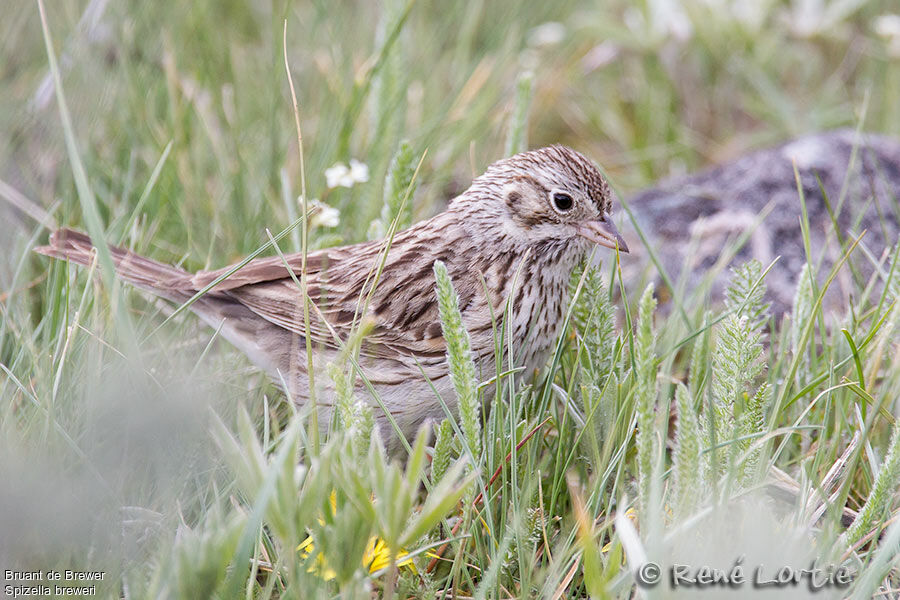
<point x="752" y="205"/>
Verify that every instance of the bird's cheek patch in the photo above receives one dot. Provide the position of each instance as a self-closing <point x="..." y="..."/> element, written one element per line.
<point x="513" y="198"/>
<point x="525" y="210"/>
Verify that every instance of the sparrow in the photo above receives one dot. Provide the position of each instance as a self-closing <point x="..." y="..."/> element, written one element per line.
<point x="514" y="236"/>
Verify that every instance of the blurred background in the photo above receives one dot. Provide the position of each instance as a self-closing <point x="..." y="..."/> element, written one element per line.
<point x="647" y="89"/>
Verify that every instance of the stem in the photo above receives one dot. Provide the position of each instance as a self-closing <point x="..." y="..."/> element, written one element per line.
<point x="304" y="245"/>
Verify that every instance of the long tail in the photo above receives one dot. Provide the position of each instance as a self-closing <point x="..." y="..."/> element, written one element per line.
<point x="266" y="344"/>
<point x="161" y="279"/>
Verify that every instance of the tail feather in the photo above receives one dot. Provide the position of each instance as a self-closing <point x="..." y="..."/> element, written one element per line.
<point x="266" y="344"/>
<point x="162" y="279"/>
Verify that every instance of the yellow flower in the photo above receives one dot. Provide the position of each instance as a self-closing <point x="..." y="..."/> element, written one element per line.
<point x="376" y="557"/>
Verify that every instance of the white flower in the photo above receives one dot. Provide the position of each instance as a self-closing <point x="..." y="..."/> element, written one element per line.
<point x="329" y="216"/>
<point x="359" y="171"/>
<point x="547" y="34"/>
<point x="888" y="27"/>
<point x="340" y="175"/>
<point x="321" y="214"/>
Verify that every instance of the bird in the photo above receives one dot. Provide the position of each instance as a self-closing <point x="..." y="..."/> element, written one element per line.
<point x="515" y="235"/>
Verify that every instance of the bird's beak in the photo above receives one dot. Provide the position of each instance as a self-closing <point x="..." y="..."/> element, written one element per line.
<point x="603" y="233"/>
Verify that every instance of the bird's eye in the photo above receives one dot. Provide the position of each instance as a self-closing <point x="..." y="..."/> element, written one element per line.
<point x="562" y="201"/>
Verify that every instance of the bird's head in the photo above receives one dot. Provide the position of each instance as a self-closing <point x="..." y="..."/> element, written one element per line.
<point x="552" y="195"/>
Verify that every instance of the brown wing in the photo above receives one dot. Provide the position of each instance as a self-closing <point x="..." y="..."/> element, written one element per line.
<point x="335" y="279"/>
<point x="403" y="308"/>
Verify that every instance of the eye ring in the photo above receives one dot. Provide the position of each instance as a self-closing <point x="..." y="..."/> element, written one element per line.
<point x="563" y="202"/>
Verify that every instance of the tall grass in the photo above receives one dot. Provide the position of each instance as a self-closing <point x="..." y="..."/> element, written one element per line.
<point x="133" y="441"/>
